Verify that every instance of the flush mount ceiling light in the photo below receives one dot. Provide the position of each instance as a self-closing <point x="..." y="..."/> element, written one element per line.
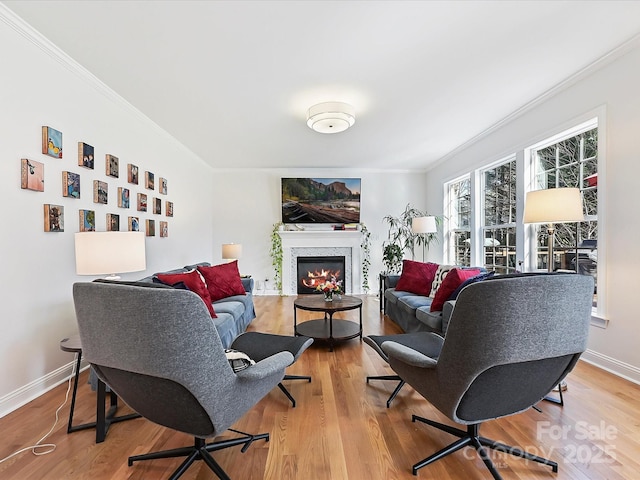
<point x="331" y="117"/>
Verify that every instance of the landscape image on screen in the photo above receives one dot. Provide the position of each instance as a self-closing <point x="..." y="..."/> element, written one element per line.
<point x="321" y="200"/>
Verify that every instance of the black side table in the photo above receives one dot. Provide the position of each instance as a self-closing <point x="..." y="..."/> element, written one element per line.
<point x="382" y="277"/>
<point x="103" y="418"/>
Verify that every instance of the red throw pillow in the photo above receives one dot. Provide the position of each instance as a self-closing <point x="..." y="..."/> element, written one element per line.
<point x="223" y="280"/>
<point x="417" y="277"/>
<point x="455" y="277"/>
<point x="193" y="281"/>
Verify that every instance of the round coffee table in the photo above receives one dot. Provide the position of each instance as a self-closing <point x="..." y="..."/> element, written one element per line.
<point x="327" y="328"/>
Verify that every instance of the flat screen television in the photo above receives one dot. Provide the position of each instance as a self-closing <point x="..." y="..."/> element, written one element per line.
<point x="321" y="200"/>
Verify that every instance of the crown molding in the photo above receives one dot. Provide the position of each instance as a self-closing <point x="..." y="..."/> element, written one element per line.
<point x="585" y="72"/>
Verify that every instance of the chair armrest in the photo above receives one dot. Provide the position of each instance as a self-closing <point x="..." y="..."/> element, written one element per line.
<point x="247" y="283"/>
<point x="268" y="366"/>
<point x="390" y="281"/>
<point x="409" y="355"/>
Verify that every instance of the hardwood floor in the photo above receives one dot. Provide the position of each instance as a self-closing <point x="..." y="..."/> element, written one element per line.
<point x="341" y="428"/>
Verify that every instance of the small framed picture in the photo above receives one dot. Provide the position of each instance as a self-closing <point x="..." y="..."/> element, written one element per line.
<point x="85" y="155"/>
<point x="100" y="192"/>
<point x="157" y="206"/>
<point x="142" y="202"/>
<point x="151" y="228"/>
<point x="134" y="224"/>
<point x="70" y="185"/>
<point x="123" y="197"/>
<point x="149" y="180"/>
<point x="168" y="209"/>
<point x="53" y="218"/>
<point x="113" y="222"/>
<point x="32" y="173"/>
<point x="132" y="173"/>
<point x="87" y="220"/>
<point x="112" y="166"/>
<point x="162" y="187"/>
<point x="51" y="142"/>
<point x="164" y="229"/>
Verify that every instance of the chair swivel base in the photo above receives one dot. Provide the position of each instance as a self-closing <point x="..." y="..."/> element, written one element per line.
<point x="201" y="451"/>
<point x="286" y="392"/>
<point x="389" y="377"/>
<point x="470" y="438"/>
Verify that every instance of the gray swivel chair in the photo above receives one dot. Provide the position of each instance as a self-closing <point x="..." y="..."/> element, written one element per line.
<point x="509" y="342"/>
<point x="158" y="349"/>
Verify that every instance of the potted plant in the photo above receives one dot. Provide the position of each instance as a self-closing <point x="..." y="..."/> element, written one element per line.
<point x="401" y="238"/>
<point x="392" y="258"/>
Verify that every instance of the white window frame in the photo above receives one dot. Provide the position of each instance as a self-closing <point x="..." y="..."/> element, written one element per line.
<point x="480" y="233"/>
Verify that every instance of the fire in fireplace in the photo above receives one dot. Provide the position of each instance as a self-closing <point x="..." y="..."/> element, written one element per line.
<point x="314" y="271"/>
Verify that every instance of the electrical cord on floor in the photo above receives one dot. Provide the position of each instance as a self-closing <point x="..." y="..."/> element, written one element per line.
<point x="51" y="446"/>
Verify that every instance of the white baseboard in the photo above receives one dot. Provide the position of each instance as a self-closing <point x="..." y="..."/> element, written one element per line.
<point x="611" y="365"/>
<point x="20" y="397"/>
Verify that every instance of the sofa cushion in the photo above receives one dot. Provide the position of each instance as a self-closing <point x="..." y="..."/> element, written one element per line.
<point x="468" y="281"/>
<point x="233" y="308"/>
<point x="454" y="278"/>
<point x="429" y="318"/>
<point x="222" y="280"/>
<point x="417" y="277"/>
<point x="392" y="295"/>
<point x="409" y="303"/>
<point x="227" y="327"/>
<point x="440" y="275"/>
<point x="193" y="281"/>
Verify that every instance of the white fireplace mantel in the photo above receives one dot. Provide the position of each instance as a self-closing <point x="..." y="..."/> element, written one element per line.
<point x="321" y="243"/>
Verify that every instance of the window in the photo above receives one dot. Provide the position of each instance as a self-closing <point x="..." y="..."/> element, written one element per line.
<point x="459" y="217"/>
<point x="499" y="217"/>
<point x="570" y="160"/>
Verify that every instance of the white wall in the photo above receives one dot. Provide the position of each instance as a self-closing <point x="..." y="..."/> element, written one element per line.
<point x="614" y="89"/>
<point x="247" y="205"/>
<point x="39" y="88"/>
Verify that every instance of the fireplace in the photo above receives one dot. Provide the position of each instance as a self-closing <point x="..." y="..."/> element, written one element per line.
<point x="314" y="271"/>
<point x="325" y="243"/>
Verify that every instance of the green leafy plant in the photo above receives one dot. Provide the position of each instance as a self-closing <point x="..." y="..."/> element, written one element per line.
<point x="365" y="244"/>
<point x="392" y="258"/>
<point x="275" y="251"/>
<point x="401" y="238"/>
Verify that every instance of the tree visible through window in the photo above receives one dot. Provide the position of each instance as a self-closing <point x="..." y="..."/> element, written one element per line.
<point x="459" y="215"/>
<point x="499" y="217"/>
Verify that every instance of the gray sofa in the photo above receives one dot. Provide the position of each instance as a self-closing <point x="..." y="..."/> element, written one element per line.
<point x="234" y="314"/>
<point x="412" y="313"/>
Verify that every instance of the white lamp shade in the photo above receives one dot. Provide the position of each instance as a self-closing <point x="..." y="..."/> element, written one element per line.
<point x="553" y="205"/>
<point x="231" y="251"/>
<point x="100" y="253"/>
<point x="424" y="225"/>
<point x="331" y="117"/>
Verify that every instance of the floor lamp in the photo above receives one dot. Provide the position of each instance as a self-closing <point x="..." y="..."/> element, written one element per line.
<point x="423" y="226"/>
<point x="550" y="206"/>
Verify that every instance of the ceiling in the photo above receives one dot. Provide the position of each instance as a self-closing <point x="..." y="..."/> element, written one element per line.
<point x="232" y="80"/>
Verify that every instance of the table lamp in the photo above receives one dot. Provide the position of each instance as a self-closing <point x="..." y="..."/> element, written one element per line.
<point x="422" y="226"/>
<point x="231" y="251"/>
<point x="100" y="253"/>
<point x="553" y="205"/>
